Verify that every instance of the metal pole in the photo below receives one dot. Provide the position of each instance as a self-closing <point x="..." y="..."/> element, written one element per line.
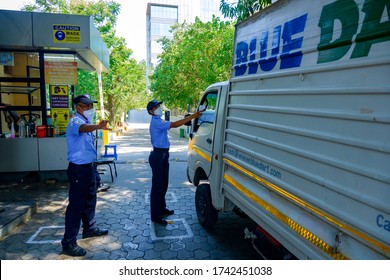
<point x="101" y="94"/>
<point x="105" y="132"/>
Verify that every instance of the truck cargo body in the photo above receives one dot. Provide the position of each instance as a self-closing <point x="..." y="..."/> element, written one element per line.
<point x="299" y="137"/>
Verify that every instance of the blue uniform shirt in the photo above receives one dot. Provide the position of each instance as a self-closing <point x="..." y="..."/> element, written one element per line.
<point x="81" y="148"/>
<point x="158" y="130"/>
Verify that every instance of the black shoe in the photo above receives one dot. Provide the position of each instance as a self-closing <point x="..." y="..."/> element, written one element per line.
<point x="73" y="250"/>
<point x="94" y="232"/>
<point x="160" y="222"/>
<point x="167" y="212"/>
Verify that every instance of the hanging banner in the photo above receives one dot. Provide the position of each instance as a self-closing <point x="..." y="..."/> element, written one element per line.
<point x="59" y="96"/>
<point x="60" y="73"/>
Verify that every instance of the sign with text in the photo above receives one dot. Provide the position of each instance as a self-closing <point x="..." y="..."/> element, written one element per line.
<point x="60" y="73"/>
<point x="65" y="33"/>
<point x="61" y="116"/>
<point x="59" y="97"/>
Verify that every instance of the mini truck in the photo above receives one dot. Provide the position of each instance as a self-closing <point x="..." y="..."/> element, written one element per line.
<point x="299" y="137"/>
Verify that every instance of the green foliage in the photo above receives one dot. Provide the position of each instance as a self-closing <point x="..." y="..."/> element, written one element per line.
<point x="126" y="83"/>
<point x="88" y="83"/>
<point x="48" y="6"/>
<point x="242" y="9"/>
<point x="124" y="87"/>
<point x="198" y="55"/>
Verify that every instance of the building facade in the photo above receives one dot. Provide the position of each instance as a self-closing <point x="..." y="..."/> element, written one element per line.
<point x="162" y="14"/>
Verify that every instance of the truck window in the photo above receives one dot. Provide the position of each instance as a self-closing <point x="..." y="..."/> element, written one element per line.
<point x="208" y="103"/>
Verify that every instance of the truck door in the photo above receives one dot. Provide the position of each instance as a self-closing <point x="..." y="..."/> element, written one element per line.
<point x="202" y="137"/>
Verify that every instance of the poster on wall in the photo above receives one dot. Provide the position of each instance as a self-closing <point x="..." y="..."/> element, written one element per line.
<point x="59" y="97"/>
<point x="61" y="116"/>
<point x="60" y="73"/>
<point x="7" y="58"/>
<point x="59" y="104"/>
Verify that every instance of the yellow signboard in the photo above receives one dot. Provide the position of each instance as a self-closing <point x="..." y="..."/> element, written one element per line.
<point x="66" y="33"/>
<point x="59" y="96"/>
<point x="60" y="73"/>
<point x="59" y="90"/>
<point x="61" y="116"/>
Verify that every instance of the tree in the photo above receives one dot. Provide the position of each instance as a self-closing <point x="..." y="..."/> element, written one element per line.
<point x="198" y="55"/>
<point x="124" y="87"/>
<point x="126" y="82"/>
<point x="242" y="9"/>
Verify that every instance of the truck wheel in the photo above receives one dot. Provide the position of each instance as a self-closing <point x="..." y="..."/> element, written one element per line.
<point x="188" y="175"/>
<point x="207" y="215"/>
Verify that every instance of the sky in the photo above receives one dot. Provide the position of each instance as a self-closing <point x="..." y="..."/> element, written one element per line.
<point x="130" y="24"/>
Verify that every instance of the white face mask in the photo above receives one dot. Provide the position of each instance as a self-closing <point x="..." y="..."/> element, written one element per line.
<point x="158" y="112"/>
<point x="89" y="114"/>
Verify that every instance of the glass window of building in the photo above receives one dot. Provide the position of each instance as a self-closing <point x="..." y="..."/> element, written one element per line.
<point x="163" y="12"/>
<point x="160" y="29"/>
<point x="156" y="47"/>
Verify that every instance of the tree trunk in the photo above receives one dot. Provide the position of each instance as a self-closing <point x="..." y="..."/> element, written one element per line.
<point x="111" y="117"/>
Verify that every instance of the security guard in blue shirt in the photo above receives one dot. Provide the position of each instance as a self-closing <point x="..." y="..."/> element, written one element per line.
<point x="81" y="175"/>
<point x="158" y="159"/>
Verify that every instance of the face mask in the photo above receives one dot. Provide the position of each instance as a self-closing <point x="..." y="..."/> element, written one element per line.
<point x="89" y="114"/>
<point x="158" y="112"/>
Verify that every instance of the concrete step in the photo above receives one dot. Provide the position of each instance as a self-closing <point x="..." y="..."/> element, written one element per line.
<point x="13" y="214"/>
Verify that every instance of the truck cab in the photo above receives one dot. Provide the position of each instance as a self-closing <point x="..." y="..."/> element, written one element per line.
<point x="204" y="151"/>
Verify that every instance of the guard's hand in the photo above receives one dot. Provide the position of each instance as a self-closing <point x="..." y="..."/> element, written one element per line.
<point x="198" y="114"/>
<point x="103" y="125"/>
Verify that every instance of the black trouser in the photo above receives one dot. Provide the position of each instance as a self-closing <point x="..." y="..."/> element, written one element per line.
<point x="82" y="201"/>
<point x="159" y="162"/>
<point x="97" y="177"/>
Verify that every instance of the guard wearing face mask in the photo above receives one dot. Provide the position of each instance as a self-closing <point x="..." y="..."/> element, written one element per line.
<point x="81" y="175"/>
<point x="159" y="160"/>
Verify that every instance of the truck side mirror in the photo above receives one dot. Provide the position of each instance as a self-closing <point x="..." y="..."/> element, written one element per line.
<point x="189" y="123"/>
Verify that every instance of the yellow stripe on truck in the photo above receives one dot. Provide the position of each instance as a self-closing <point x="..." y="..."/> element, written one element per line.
<point x="289" y="222"/>
<point x="199" y="152"/>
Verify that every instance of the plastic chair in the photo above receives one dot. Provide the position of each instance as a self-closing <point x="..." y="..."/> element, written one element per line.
<point x="108" y="162"/>
<point x="107" y="158"/>
<point x="106" y="151"/>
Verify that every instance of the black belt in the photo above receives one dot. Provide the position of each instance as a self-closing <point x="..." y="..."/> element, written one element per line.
<point x="82" y="165"/>
<point x="160" y="149"/>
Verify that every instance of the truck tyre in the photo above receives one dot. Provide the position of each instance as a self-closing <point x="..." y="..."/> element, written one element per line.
<point x="188" y="175"/>
<point x="207" y="215"/>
